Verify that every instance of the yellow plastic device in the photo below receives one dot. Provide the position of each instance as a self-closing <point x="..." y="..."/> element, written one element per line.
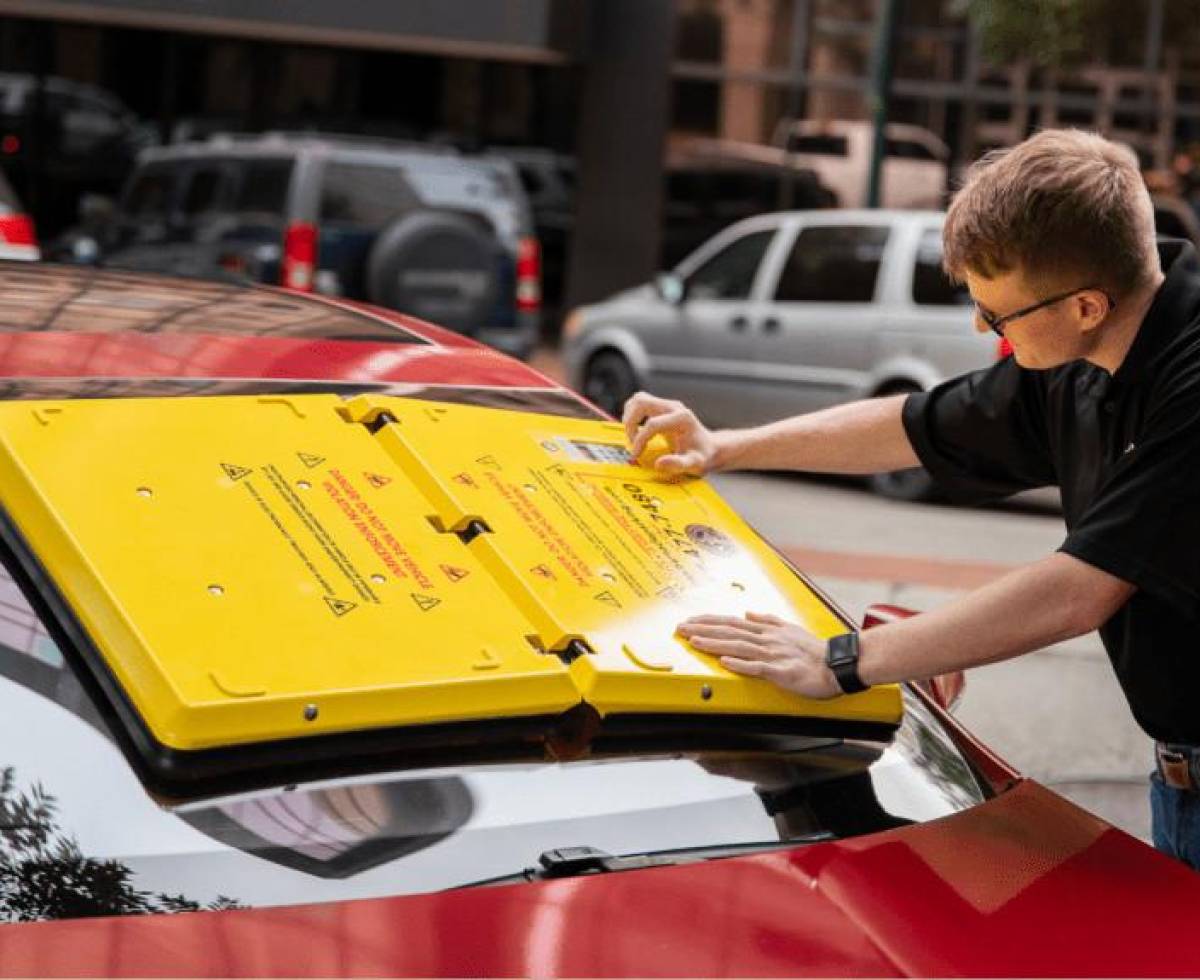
<point x="252" y="569"/>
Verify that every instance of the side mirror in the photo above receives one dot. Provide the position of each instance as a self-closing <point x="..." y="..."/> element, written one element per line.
<point x="670" y="288"/>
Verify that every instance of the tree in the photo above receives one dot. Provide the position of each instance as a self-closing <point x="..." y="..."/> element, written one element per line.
<point x="1068" y="33"/>
<point x="44" y="875"/>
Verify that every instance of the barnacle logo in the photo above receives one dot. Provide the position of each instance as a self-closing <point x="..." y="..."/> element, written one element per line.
<point x="710" y="539"/>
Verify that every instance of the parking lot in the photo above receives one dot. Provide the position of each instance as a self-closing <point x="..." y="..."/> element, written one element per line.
<point x="1057" y="714"/>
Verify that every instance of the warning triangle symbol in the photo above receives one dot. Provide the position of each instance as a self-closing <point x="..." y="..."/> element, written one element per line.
<point x="609" y="598"/>
<point x="466" y="480"/>
<point x="339" y="606"/>
<point x="376" y="480"/>
<point x="234" y="472"/>
<point x="425" y="602"/>
<point x="309" y="460"/>
<point x="454" y="574"/>
<point x="543" y="571"/>
<point x="488" y="461"/>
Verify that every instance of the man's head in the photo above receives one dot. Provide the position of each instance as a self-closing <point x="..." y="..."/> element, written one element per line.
<point x="1066" y="213"/>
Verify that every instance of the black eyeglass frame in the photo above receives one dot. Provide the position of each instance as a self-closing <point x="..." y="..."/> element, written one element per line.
<point x="997" y="323"/>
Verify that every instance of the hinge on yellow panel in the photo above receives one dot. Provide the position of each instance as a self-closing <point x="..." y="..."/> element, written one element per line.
<point x="450" y="513"/>
<point x="452" y="516"/>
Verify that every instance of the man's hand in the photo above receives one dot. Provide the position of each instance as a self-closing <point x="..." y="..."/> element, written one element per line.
<point x="693" y="447"/>
<point x="767" y="647"/>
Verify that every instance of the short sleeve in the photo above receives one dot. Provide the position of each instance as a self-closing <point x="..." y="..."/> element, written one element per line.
<point x="1144" y="524"/>
<point x="983" y="435"/>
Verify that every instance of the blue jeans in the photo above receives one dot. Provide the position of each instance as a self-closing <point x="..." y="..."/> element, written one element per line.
<point x="1175" y="821"/>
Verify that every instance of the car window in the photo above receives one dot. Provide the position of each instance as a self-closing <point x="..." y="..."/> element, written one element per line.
<point x="72" y="809"/>
<point x="931" y="286"/>
<point x="150" y="192"/>
<point x="833" y="264"/>
<point x="263" y="186"/>
<point x="907" y="150"/>
<point x="820" y="145"/>
<point x="204" y="191"/>
<point x="365" y="195"/>
<point x="730" y="273"/>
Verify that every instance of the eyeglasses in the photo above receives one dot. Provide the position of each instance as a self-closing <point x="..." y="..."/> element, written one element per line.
<point x="997" y="323"/>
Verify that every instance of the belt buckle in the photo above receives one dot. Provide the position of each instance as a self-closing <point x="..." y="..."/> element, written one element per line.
<point x="1175" y="767"/>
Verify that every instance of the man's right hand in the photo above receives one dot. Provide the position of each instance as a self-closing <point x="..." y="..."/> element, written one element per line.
<point x="693" y="447"/>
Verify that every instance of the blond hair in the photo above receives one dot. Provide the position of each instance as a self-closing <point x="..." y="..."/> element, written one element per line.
<point x="1064" y="206"/>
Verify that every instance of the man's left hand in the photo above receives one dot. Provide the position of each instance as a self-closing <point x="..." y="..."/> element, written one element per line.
<point x="765" y="646"/>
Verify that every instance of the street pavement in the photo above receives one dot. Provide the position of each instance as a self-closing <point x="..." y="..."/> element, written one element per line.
<point x="1057" y="714"/>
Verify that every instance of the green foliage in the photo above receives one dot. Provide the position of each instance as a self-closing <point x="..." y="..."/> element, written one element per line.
<point x="1067" y="33"/>
<point x="44" y="875"/>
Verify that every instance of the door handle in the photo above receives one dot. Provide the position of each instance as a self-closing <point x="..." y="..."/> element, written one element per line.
<point x="771" y="324"/>
<point x="739" y="323"/>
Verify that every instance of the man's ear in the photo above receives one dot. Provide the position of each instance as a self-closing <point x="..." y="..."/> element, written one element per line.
<point x="1091" y="307"/>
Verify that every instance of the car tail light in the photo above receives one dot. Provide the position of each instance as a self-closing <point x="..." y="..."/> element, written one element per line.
<point x="1003" y="349"/>
<point x="10" y="144"/>
<point x="299" y="256"/>
<point x="17" y="229"/>
<point x="529" y="275"/>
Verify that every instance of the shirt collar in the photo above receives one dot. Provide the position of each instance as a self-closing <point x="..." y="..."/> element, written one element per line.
<point x="1182" y="269"/>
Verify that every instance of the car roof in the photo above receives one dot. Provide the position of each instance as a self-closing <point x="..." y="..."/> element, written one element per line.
<point x="369" y="150"/>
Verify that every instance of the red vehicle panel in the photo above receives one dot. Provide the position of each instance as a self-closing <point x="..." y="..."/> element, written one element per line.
<point x="1019" y="886"/>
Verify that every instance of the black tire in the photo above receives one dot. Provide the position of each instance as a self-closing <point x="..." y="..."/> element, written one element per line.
<point x="609" y="381"/>
<point x="438" y="266"/>
<point x="913" y="485"/>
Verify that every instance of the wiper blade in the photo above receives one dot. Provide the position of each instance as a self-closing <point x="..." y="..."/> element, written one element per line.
<point x="573" y="862"/>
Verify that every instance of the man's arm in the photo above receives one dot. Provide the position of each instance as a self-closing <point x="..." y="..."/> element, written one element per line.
<point x="1032" y="607"/>
<point x="859" y="437"/>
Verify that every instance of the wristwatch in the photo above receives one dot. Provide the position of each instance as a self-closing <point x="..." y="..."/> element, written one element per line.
<point x="841" y="656"/>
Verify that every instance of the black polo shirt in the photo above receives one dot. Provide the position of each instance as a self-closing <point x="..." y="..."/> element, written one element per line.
<point x="1125" y="449"/>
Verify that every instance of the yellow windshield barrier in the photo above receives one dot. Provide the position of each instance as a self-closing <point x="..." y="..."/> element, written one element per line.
<point x="252" y="569"/>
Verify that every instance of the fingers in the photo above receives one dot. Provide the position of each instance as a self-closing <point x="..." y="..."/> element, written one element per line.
<point x="767" y="618"/>
<point x="718" y="633"/>
<point x="743" y="649"/>
<point x="659" y="423"/>
<point x="752" y="668"/>
<point x="678" y="464"/>
<point x="703" y="622"/>
<point x="640" y="407"/>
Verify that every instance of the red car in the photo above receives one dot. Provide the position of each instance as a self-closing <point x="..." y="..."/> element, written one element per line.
<point x="743" y="843"/>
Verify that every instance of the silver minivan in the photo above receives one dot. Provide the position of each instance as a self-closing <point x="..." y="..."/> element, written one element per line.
<point x="786" y="313"/>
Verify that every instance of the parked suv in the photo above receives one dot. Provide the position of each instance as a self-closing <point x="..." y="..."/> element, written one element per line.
<point x="429" y="232"/>
<point x="787" y="313"/>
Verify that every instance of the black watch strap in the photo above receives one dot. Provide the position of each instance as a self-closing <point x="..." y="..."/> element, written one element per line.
<point x="841" y="656"/>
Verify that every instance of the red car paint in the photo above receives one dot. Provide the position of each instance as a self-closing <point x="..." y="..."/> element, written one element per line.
<point x="1024" y="884"/>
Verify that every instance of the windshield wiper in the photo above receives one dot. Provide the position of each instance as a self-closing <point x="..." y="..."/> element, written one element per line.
<point x="574" y="862"/>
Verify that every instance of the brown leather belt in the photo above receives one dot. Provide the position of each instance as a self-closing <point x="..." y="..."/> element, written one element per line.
<point x="1179" y="765"/>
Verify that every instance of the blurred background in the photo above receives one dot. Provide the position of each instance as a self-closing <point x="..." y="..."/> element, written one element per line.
<point x="736" y="202"/>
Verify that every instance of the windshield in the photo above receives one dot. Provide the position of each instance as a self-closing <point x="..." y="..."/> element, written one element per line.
<point x="80" y="835"/>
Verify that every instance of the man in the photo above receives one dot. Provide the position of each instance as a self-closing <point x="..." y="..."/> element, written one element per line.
<point x="1055" y="241"/>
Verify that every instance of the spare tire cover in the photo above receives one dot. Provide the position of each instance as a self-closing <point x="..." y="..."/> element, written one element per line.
<point x="437" y="266"/>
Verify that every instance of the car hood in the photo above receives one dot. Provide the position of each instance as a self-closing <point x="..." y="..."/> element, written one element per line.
<point x="1025" y="884"/>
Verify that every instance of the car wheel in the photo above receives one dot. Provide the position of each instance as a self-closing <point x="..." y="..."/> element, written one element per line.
<point x="437" y="266"/>
<point x="912" y="484"/>
<point x="609" y="381"/>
